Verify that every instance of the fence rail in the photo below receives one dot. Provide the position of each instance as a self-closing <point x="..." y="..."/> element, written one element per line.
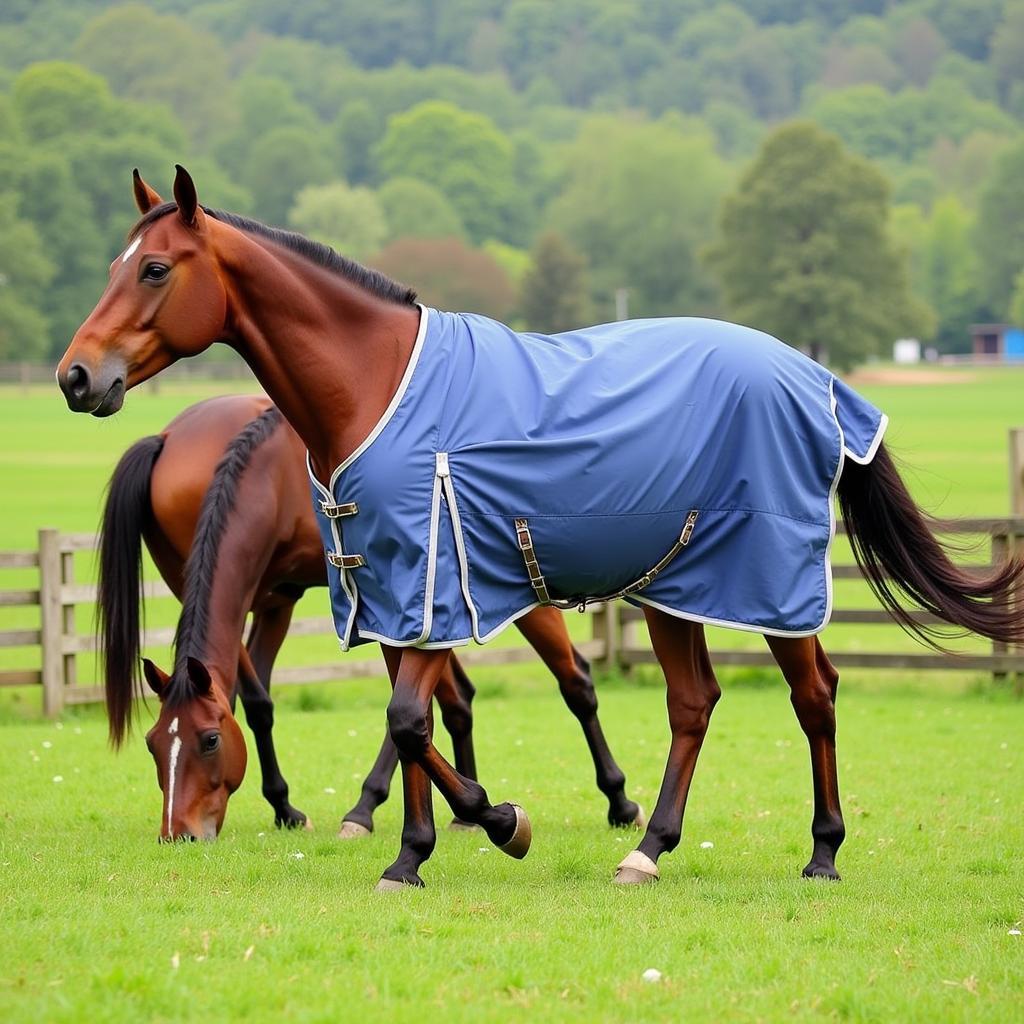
<point x="614" y="638"/>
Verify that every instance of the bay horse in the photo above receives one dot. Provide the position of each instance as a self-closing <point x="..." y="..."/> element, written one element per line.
<point x="337" y="347"/>
<point x="220" y="498"/>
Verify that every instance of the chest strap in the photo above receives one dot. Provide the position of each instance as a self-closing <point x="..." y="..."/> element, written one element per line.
<point x="345" y="561"/>
<point x="349" y="508"/>
<point x="539" y="584"/>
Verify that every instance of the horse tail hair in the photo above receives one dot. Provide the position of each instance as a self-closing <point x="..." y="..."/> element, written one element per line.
<point x="894" y="543"/>
<point x="126" y="514"/>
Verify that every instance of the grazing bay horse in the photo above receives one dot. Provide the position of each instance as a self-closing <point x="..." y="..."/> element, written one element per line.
<point x="464" y="474"/>
<point x="224" y="486"/>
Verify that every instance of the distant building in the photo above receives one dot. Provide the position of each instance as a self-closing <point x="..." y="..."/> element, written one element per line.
<point x="998" y="342"/>
<point x="906" y="350"/>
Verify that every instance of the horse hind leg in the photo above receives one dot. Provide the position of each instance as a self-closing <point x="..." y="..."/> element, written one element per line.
<point x="692" y="694"/>
<point x="544" y="629"/>
<point x="813" y="682"/>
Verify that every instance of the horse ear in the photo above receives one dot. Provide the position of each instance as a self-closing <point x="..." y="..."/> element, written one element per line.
<point x="156" y="678"/>
<point x="145" y="197"/>
<point x="186" y="198"/>
<point x="199" y="676"/>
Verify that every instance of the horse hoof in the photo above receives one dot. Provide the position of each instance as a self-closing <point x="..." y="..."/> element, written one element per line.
<point x="458" y="825"/>
<point x="353" y="830"/>
<point x="821" y="871"/>
<point x="636" y="869"/>
<point x="640" y="821"/>
<point x="519" y="844"/>
<point x="389" y="885"/>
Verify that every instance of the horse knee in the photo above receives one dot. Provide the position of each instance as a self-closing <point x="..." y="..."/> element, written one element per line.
<point x="691" y="716"/>
<point x="407" y="724"/>
<point x="579" y="694"/>
<point x="458" y="720"/>
<point x="814" y="704"/>
<point x="259" y="713"/>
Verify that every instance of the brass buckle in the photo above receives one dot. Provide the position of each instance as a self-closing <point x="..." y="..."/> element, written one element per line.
<point x="345" y="561"/>
<point x="349" y="508"/>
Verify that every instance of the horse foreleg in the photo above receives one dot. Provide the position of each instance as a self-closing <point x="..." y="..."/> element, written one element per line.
<point x="544" y="629"/>
<point x="259" y="713"/>
<point x="813" y="682"/>
<point x="376" y="786"/>
<point x="692" y="694"/>
<point x="418" y="834"/>
<point x="454" y="694"/>
<point x="408" y="718"/>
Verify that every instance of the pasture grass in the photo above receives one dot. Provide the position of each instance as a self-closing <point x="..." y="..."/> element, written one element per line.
<point x="98" y="920"/>
<point x="101" y="921"/>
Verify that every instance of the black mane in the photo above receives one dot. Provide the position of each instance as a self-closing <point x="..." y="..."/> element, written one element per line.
<point x="190" y="636"/>
<point x="322" y="255"/>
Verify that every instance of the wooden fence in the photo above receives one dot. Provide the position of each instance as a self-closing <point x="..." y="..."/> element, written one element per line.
<point x="614" y="641"/>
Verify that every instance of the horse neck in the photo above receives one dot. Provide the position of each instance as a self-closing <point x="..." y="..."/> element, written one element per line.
<point x="329" y="354"/>
<point x="230" y="554"/>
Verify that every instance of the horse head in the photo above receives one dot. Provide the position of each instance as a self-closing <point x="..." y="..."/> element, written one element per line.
<point x="198" y="748"/>
<point x="164" y="301"/>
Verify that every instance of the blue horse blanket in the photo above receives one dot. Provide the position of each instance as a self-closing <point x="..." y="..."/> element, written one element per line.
<point x="604" y="441"/>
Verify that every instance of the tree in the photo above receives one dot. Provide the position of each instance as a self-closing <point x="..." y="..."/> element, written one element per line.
<point x="53" y="100"/>
<point x="414" y="209"/>
<point x="554" y="290"/>
<point x="638" y="202"/>
<point x="358" y="129"/>
<point x="803" y="250"/>
<point x="998" y="239"/>
<point x="280" y="164"/>
<point x="1017" y="300"/>
<point x="463" y="155"/>
<point x="449" y="274"/>
<point x="159" y="58"/>
<point x="25" y="272"/>
<point x="349" y="219"/>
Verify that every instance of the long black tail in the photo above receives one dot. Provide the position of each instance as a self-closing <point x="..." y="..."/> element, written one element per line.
<point x="894" y="544"/>
<point x="119" y="598"/>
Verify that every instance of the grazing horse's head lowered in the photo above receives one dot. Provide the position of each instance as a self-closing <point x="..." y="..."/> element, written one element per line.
<point x="164" y="301"/>
<point x="198" y="748"/>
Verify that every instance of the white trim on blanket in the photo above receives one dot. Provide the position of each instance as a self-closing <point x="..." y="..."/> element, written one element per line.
<point x="396" y="399"/>
<point x="873" y="447"/>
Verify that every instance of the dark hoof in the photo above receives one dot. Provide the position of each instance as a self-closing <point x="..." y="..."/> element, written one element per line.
<point x="518" y="846"/>
<point x="821" y="871"/>
<point x="632" y="816"/>
<point x="458" y="825"/>
<point x="292" y="818"/>
<point x="636" y="869"/>
<point x="396" y="884"/>
<point x="352" y="830"/>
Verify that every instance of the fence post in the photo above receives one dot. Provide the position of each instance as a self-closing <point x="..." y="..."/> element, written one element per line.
<point x="51" y="621"/>
<point x="605" y="627"/>
<point x="1017" y="471"/>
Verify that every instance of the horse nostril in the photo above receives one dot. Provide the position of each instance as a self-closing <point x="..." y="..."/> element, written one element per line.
<point x="78" y="381"/>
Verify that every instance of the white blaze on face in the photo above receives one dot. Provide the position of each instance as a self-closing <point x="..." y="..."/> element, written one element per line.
<point x="131" y="250"/>
<point x="172" y="771"/>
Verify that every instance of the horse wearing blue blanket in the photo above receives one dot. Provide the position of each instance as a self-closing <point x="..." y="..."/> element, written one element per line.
<point x="463" y="474"/>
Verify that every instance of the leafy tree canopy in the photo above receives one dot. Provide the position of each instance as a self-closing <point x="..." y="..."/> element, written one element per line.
<point x="803" y="250"/>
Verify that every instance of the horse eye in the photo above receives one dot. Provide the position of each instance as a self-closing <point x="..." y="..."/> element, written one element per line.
<point x="155" y="272"/>
<point x="210" y="743"/>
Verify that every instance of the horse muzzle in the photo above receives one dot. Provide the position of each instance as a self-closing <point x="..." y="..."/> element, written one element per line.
<point x="100" y="394"/>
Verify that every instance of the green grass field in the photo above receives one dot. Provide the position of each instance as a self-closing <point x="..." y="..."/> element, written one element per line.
<point x="97" y="920"/>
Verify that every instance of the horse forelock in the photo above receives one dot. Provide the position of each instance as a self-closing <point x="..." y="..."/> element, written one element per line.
<point x="317" y="253"/>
